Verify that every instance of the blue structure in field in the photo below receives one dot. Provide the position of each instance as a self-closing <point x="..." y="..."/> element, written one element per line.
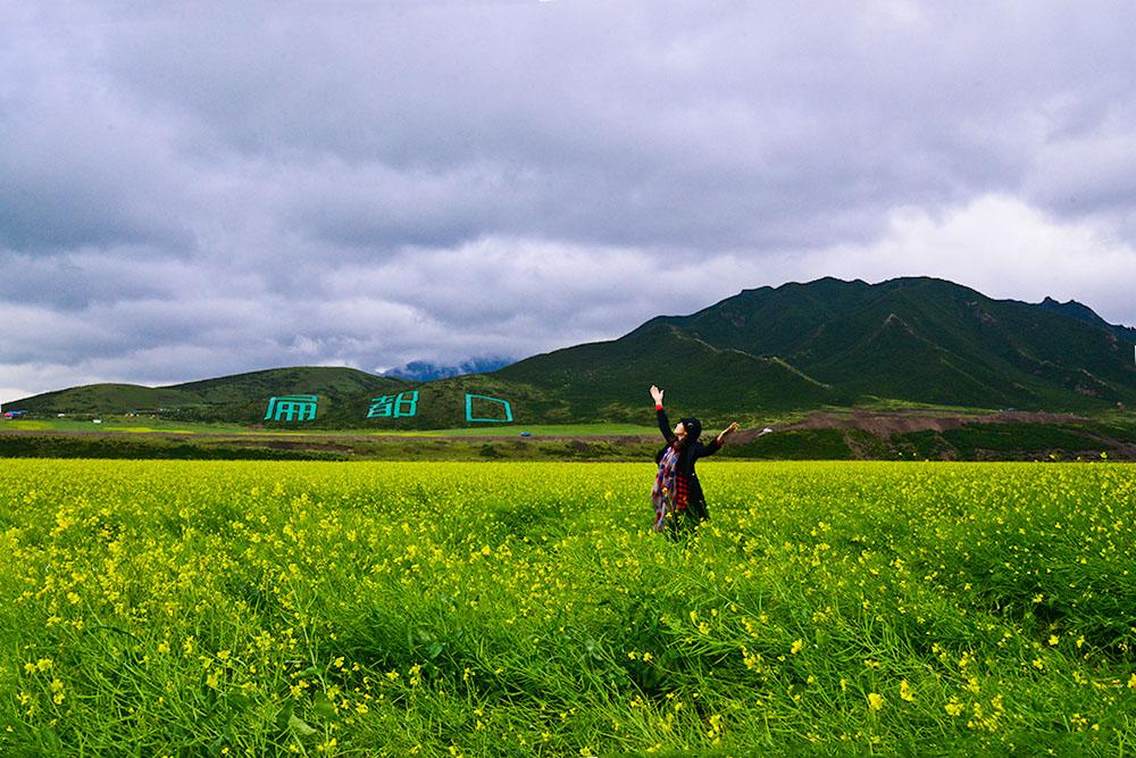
<point x="292" y="408"/>
<point x="469" y="417"/>
<point x="402" y="405"/>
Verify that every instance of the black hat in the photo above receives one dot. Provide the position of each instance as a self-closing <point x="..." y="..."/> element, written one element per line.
<point x="693" y="428"/>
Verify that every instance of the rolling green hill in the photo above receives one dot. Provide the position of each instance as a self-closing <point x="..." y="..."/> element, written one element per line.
<point x="764" y="351"/>
<point x="928" y="340"/>
<point x="344" y="399"/>
<point x="241" y="397"/>
<point x="608" y="381"/>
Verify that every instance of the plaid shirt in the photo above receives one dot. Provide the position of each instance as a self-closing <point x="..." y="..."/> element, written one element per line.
<point x="682" y="491"/>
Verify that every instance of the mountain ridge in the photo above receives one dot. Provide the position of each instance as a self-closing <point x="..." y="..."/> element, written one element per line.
<point x="795" y="347"/>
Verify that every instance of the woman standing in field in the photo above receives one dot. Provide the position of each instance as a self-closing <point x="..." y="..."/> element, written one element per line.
<point x="677" y="494"/>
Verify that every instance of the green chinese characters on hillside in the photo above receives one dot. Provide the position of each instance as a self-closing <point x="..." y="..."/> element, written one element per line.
<point x="478" y="408"/>
<point x="402" y="405"/>
<point x="506" y="409"/>
<point x="292" y="408"/>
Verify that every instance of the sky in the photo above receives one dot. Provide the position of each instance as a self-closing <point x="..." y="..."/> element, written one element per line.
<point x="195" y="189"/>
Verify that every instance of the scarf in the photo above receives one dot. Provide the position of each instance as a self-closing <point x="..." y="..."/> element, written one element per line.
<point x="662" y="494"/>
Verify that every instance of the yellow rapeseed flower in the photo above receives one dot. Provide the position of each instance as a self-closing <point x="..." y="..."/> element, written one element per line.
<point x="875" y="701"/>
<point x="56" y="688"/>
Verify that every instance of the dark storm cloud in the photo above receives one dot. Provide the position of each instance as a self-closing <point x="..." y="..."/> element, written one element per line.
<point x="657" y="124"/>
<point x="189" y="189"/>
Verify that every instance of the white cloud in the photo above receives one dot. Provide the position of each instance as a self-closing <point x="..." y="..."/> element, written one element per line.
<point x="1000" y="246"/>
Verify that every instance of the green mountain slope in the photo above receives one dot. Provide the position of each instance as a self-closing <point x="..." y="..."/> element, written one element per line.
<point x="609" y="380"/>
<point x="1083" y="312"/>
<point x="240" y="397"/>
<point x="104" y="398"/>
<point x="927" y="340"/>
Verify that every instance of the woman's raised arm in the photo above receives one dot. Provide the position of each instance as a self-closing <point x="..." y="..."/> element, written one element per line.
<point x="661" y="415"/>
<point x="716" y="443"/>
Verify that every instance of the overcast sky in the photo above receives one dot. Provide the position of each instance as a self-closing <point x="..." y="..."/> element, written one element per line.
<point x="194" y="189"/>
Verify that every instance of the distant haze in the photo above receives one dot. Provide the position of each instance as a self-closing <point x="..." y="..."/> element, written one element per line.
<point x="194" y="189"/>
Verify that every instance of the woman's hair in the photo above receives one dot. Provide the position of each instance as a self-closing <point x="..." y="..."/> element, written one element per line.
<point x="693" y="428"/>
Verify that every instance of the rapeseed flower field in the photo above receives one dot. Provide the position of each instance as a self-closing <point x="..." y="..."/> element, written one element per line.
<point x="184" y="608"/>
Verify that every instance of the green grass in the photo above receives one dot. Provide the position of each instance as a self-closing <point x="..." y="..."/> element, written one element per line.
<point x="150" y="425"/>
<point x="526" y="609"/>
<point x="889" y="405"/>
<point x="122" y="424"/>
<point x="537" y="430"/>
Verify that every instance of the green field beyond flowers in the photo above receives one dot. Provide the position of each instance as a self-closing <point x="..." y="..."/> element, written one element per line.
<point x="189" y="608"/>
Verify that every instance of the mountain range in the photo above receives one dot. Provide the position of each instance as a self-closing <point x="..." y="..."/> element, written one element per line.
<point x="427" y="371"/>
<point x="771" y="350"/>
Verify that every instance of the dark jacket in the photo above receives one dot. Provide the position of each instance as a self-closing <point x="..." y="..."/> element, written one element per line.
<point x="688" y="456"/>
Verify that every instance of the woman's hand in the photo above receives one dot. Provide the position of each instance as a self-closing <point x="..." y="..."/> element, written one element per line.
<point x="727" y="432"/>
<point x="657" y="394"/>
